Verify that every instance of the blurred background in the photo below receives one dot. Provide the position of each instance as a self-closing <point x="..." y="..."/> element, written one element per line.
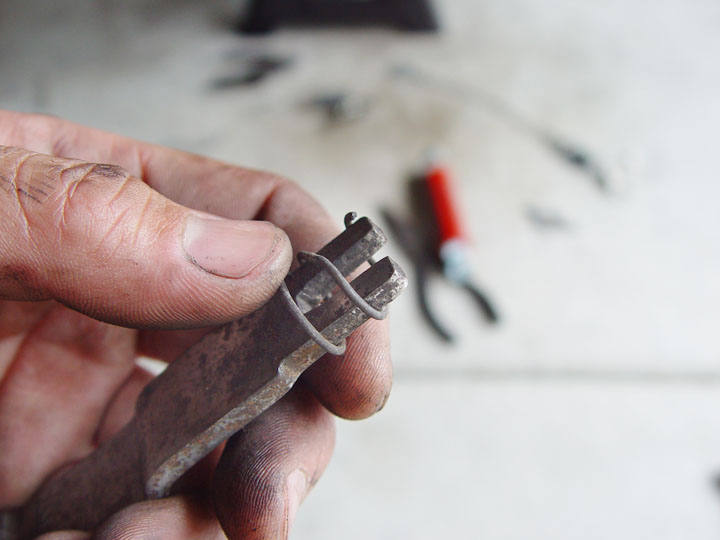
<point x="581" y="143"/>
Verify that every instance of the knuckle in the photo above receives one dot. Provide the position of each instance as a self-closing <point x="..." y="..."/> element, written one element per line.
<point x="96" y="202"/>
<point x="46" y="179"/>
<point x="90" y="182"/>
<point x="68" y="200"/>
<point x="231" y="191"/>
<point x="25" y="188"/>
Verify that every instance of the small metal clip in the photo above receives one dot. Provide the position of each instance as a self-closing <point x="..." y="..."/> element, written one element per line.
<point x="306" y="257"/>
<point x="359" y="301"/>
<point x="317" y="337"/>
<point x="218" y="386"/>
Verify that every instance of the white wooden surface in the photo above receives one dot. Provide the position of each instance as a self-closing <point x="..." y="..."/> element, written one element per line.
<point x="593" y="412"/>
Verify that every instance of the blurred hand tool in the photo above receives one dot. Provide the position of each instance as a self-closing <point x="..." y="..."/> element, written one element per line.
<point x="218" y="386"/>
<point x="341" y="107"/>
<point x="436" y="238"/>
<point x="252" y="70"/>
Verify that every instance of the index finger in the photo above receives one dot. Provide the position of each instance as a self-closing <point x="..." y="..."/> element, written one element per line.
<point x="189" y="179"/>
<point x="355" y="386"/>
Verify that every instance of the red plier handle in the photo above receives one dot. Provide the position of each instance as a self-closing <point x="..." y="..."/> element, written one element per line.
<point x="446" y="213"/>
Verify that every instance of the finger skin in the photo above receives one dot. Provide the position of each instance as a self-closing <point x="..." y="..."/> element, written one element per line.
<point x="65" y="535"/>
<point x="235" y="193"/>
<point x="265" y="473"/>
<point x="54" y="393"/>
<point x="175" y="518"/>
<point x="357" y="385"/>
<point x="103" y="242"/>
<point x="267" y="469"/>
<point x="121" y="407"/>
<point x="16" y="320"/>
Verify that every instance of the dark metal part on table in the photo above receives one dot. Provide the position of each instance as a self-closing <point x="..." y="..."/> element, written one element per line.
<point x="253" y="70"/>
<point x="219" y="385"/>
<point x="263" y="16"/>
<point x="340" y="107"/>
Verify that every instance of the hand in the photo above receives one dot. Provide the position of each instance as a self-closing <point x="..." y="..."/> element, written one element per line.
<point x="102" y="263"/>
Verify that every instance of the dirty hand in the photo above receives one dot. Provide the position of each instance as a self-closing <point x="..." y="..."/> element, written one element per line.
<point x="111" y="249"/>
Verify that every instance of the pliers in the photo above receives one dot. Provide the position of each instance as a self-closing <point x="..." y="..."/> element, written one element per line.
<point x="434" y="240"/>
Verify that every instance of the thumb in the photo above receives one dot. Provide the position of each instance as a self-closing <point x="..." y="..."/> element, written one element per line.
<point x="103" y="242"/>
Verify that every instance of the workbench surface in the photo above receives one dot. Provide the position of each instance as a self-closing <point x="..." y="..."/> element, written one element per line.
<point x="593" y="410"/>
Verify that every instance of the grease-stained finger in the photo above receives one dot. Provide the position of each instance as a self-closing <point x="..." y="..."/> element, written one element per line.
<point x="268" y="468"/>
<point x="353" y="387"/>
<point x="103" y="242"/>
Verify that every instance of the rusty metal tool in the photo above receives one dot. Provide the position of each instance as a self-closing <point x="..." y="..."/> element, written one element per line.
<point x="219" y="385"/>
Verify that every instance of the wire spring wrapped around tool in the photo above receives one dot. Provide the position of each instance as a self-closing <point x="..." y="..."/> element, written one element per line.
<point x="306" y="257"/>
<point x="218" y="386"/>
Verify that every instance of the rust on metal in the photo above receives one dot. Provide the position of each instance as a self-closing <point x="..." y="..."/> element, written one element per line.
<point x="218" y="386"/>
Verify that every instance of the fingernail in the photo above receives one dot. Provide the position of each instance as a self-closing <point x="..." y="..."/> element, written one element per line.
<point x="297" y="488"/>
<point x="228" y="248"/>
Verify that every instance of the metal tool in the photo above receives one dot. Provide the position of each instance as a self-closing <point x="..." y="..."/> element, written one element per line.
<point x="453" y="246"/>
<point x="219" y="385"/>
<point x="436" y="238"/>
